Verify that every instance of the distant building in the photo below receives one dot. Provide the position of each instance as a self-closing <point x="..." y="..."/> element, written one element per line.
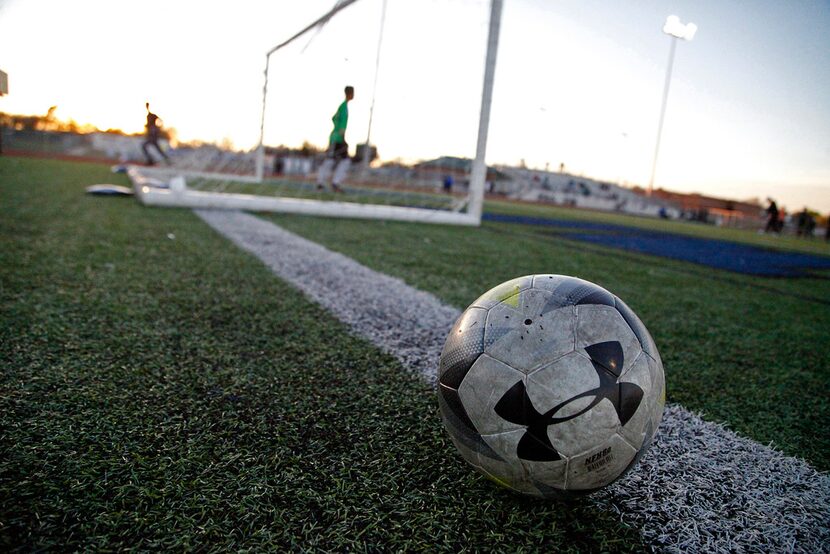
<point x="720" y="211"/>
<point x="563" y="189"/>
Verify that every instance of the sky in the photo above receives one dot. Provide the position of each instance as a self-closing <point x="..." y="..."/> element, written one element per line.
<point x="578" y="82"/>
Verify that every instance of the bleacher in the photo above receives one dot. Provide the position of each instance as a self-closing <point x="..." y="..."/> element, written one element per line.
<point x="564" y="189"/>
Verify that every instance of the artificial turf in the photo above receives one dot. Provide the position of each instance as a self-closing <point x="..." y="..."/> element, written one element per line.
<point x="744" y="235"/>
<point x="160" y="389"/>
<point x="746" y="351"/>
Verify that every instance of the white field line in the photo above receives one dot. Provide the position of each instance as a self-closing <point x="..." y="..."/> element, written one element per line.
<point x="700" y="488"/>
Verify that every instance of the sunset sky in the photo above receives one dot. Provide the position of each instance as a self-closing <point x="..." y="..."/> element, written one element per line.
<point x="578" y="82"/>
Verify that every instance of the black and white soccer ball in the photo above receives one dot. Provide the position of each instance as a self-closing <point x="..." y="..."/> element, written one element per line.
<point x="550" y="385"/>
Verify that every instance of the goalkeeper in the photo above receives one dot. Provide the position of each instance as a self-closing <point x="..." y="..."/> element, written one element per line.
<point x="338" y="150"/>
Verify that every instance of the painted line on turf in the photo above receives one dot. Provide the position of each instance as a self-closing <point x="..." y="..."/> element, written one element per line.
<point x="700" y="488"/>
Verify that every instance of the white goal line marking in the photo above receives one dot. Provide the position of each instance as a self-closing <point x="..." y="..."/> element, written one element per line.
<point x="700" y="487"/>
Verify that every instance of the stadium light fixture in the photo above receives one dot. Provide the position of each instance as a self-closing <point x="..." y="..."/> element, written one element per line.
<point x="676" y="30"/>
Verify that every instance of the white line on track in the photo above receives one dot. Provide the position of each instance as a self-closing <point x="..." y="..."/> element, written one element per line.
<point x="700" y="488"/>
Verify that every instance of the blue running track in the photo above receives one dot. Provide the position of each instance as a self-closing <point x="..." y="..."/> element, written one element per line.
<point x="729" y="256"/>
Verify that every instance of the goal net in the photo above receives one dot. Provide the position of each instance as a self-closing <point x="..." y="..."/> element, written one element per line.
<point x="422" y="74"/>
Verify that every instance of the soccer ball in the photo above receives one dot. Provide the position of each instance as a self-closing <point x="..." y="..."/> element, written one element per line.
<point x="550" y="386"/>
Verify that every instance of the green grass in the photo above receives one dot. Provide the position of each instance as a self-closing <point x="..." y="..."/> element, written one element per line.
<point x="171" y="393"/>
<point x="746" y="351"/>
<point x="816" y="285"/>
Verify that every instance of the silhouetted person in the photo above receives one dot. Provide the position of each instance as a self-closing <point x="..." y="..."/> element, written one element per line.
<point x="806" y="224"/>
<point x="801" y="222"/>
<point x="810" y="227"/>
<point x="338" y="150"/>
<point x="448" y="182"/>
<point x="152" y="134"/>
<point x="772" y="217"/>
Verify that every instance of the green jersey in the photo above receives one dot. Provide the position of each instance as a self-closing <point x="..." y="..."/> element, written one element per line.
<point x="340" y="120"/>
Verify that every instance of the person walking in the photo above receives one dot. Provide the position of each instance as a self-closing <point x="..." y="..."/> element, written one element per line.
<point x="152" y="133"/>
<point x="337" y="154"/>
<point x="772" y="217"/>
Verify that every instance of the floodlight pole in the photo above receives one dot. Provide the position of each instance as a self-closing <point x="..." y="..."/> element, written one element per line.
<point x="478" y="174"/>
<point x="671" y="29"/>
<point x="4" y="89"/>
<point x="662" y="114"/>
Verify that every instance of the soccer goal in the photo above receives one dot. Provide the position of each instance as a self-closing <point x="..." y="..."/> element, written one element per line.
<point x="423" y="77"/>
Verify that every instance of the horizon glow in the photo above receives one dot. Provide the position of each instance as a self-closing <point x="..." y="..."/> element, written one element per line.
<point x="577" y="82"/>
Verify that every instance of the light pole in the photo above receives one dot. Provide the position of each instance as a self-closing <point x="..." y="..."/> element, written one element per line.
<point x="4" y="89"/>
<point x="675" y="30"/>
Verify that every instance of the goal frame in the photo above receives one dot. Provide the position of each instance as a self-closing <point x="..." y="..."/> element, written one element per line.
<point x="178" y="195"/>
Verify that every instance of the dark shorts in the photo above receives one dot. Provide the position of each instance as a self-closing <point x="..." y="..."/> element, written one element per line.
<point x="338" y="151"/>
<point x="152" y="137"/>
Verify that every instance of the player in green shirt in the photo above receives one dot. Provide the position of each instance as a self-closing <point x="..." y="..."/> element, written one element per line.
<point x="338" y="150"/>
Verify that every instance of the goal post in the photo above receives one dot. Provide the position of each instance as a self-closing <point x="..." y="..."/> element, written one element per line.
<point x="479" y="169"/>
<point x="410" y="191"/>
